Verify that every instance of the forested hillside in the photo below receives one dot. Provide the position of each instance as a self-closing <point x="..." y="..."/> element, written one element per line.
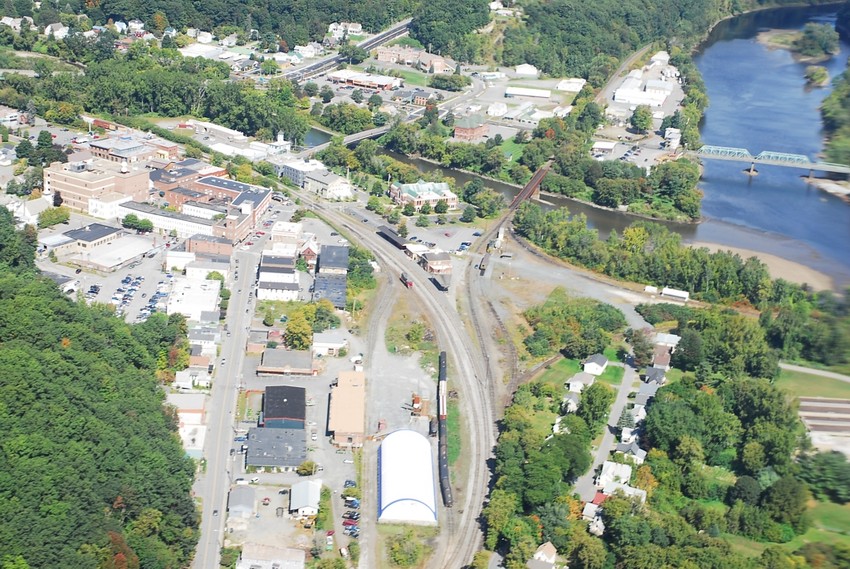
<point x="92" y="474"/>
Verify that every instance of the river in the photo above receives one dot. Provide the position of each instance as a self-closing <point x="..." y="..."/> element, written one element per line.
<point x="759" y="101"/>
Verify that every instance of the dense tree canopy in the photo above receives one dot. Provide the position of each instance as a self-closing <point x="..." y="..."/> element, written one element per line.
<point x="91" y="464"/>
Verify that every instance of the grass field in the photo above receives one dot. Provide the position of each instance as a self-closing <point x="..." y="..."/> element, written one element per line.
<point x="830" y="524"/>
<point x="559" y="372"/>
<point x="453" y="445"/>
<point x="806" y="385"/>
<point x="511" y="149"/>
<point x="612" y="376"/>
<point x="414" y="78"/>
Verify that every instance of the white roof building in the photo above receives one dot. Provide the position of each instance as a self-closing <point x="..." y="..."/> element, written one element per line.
<point x="262" y="556"/>
<point x="613" y="472"/>
<point x="527" y="70"/>
<point x="192" y="297"/>
<point x="406" y="490"/>
<point x="304" y="497"/>
<point x="497" y="110"/>
<point x="526" y="92"/>
<point x="571" y="85"/>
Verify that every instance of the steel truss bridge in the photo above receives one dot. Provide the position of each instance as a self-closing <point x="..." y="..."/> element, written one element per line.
<point x="767" y="157"/>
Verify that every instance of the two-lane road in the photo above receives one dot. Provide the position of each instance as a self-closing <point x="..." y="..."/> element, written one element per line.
<point x="213" y="485"/>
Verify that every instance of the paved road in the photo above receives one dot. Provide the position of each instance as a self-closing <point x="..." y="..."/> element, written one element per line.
<point x="584" y="485"/>
<point x="213" y="485"/>
<point x="329" y="63"/>
<point x="813" y="371"/>
<point x="607" y="92"/>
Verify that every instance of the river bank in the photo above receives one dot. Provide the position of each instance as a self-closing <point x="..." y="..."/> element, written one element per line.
<point x="779" y="268"/>
<point x="838" y="188"/>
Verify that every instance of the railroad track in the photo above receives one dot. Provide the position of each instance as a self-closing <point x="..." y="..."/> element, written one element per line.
<point x="461" y="531"/>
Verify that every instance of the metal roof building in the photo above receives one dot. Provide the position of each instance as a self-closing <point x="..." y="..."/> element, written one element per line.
<point x="284" y="406"/>
<point x="406" y="490"/>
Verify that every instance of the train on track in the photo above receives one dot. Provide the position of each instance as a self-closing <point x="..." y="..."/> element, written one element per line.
<point x="442" y="432"/>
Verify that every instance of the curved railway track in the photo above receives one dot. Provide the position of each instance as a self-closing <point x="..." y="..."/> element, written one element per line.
<point x="470" y="372"/>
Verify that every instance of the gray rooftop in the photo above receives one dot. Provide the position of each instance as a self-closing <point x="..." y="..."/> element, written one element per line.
<point x="276" y="447"/>
<point x="333" y="257"/>
<point x="278" y="286"/>
<point x="92" y="232"/>
<point x="631" y="449"/>
<point x="210" y="239"/>
<point x="655" y="375"/>
<point x="597" y="359"/>
<point x="294" y="359"/>
<point x="153" y="210"/>
<point x="332" y="287"/>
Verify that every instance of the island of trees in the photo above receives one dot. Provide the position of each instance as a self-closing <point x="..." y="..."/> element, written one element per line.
<point x="93" y="475"/>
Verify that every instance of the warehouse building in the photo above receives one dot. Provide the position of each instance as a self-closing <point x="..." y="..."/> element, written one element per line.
<point x="406" y="490"/>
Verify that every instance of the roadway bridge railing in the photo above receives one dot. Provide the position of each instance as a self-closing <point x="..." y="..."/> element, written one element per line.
<point x="767" y="157"/>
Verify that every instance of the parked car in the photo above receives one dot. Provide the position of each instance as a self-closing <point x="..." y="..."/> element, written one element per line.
<point x="348" y="523"/>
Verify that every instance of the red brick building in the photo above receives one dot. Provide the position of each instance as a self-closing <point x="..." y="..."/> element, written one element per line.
<point x="473" y="127"/>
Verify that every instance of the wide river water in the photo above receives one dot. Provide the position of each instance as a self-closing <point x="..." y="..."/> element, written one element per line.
<point x="758" y="101"/>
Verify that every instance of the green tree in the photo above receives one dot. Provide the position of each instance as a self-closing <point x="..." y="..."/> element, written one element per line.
<point x="326" y="94"/>
<point x="306" y="468"/>
<point x="408" y="210"/>
<point x="44" y="141"/>
<point x="299" y="332"/>
<point x="747" y="489"/>
<point x="402" y="229"/>
<point x="422" y="221"/>
<point x="24" y="149"/>
<point x="595" y="405"/>
<point x="53" y="216"/>
<point x="357" y="96"/>
<point x="498" y="512"/>
<point x="404" y="550"/>
<point x="468" y="214"/>
<point x="641" y="119"/>
<point x="269" y="67"/>
<point x="426" y="209"/>
<point x="642" y="348"/>
<point x="374" y="102"/>
<point x="441" y="207"/>
<point x="311" y="89"/>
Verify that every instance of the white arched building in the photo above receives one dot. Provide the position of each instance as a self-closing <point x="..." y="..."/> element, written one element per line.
<point x="406" y="489"/>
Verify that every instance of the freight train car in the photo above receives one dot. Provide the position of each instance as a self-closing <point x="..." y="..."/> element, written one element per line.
<point x="442" y="431"/>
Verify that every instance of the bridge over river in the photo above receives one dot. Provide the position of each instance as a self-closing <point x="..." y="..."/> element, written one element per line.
<point x="768" y="157"/>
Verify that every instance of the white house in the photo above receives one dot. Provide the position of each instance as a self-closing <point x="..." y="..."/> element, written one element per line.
<point x="595" y="364"/>
<point x="613" y="472"/>
<point x="570" y="402"/>
<point x="120" y="27"/>
<point x="632" y="451"/>
<point x="58" y="30"/>
<point x="277" y="291"/>
<point x="579" y="381"/>
<point x="329" y="342"/>
<point x="627" y="490"/>
<point x="304" y="498"/>
<point x="135" y="25"/>
<point x="205" y="37"/>
<point x="229" y="41"/>
<point x="328" y="185"/>
<point x="306" y="51"/>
